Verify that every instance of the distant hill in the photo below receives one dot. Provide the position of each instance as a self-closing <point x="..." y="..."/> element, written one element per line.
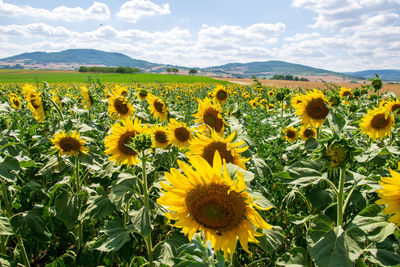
<point x="269" y="68"/>
<point x="386" y="75"/>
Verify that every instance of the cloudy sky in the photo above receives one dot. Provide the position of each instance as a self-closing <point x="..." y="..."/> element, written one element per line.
<point x="338" y="35"/>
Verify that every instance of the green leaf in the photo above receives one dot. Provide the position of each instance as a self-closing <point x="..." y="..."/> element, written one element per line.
<point x="374" y="223"/>
<point x="67" y="209"/>
<point x="260" y="199"/>
<point x="99" y="207"/>
<point x="271" y="239"/>
<point x="311" y="144"/>
<point x="386" y="253"/>
<point x="232" y="169"/>
<point x="258" y="166"/>
<point x="296" y="257"/>
<point x="9" y="167"/>
<point x="336" y="121"/>
<point x="117" y="236"/>
<point x="336" y="248"/>
<point x="303" y="173"/>
<point x="319" y="227"/>
<point x="321" y="198"/>
<point x="122" y="192"/>
<point x="166" y="254"/>
<point x="5" y="228"/>
<point x="141" y="221"/>
<point x="30" y="225"/>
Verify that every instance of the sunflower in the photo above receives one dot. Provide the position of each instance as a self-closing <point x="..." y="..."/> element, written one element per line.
<point x="160" y="136"/>
<point x="180" y="134"/>
<point x="121" y="135"/>
<point x="211" y="115"/>
<point x="118" y="107"/>
<point x="313" y="109"/>
<point x="142" y="94"/>
<point x="296" y="100"/>
<point x="35" y="103"/>
<point x="205" y="199"/>
<point x="291" y="134"/>
<point x="307" y="132"/>
<point x="157" y="108"/>
<point x="15" y="101"/>
<point x="345" y="92"/>
<point x="270" y="93"/>
<point x="389" y="195"/>
<point x="87" y="97"/>
<point x="69" y="143"/>
<point x="220" y="94"/>
<point x="394" y="106"/>
<point x="206" y="147"/>
<point x="377" y="123"/>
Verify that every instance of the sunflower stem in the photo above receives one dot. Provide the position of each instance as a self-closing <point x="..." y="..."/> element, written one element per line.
<point x="57" y="108"/>
<point x="282" y="114"/>
<point x="9" y="215"/>
<point x="340" y="196"/>
<point x="147" y="239"/>
<point x="78" y="189"/>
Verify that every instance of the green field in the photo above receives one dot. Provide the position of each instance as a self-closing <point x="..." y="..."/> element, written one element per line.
<point x="22" y="76"/>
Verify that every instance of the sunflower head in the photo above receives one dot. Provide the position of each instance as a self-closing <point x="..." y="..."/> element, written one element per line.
<point x="158" y="108"/>
<point x="229" y="151"/>
<point x="291" y="134"/>
<point x="69" y="143"/>
<point x="179" y="133"/>
<point x="377" y="123"/>
<point x="345" y="92"/>
<point x="142" y="94"/>
<point x="35" y="102"/>
<point x="307" y="132"/>
<point x="15" y="101"/>
<point x="336" y="155"/>
<point x="313" y="109"/>
<point x="220" y="94"/>
<point x="389" y="195"/>
<point x="160" y="136"/>
<point x="87" y="98"/>
<point x="394" y="106"/>
<point x="205" y="198"/>
<point x="211" y="115"/>
<point x="119" y="107"/>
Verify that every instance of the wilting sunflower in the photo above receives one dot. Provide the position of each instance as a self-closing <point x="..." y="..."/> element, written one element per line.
<point x="345" y="92"/>
<point x="160" y="136"/>
<point x="87" y="98"/>
<point x="377" y="123"/>
<point x="307" y="132"/>
<point x="69" y="143"/>
<point x="291" y="134"/>
<point x="393" y="106"/>
<point x="121" y="135"/>
<point x="211" y="115"/>
<point x="207" y="147"/>
<point x="35" y="103"/>
<point x="203" y="199"/>
<point x="389" y="195"/>
<point x="220" y="94"/>
<point x="179" y="133"/>
<point x="313" y="109"/>
<point x="119" y="107"/>
<point x="157" y="108"/>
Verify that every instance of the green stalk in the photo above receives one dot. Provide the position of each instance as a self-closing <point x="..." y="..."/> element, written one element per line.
<point x="78" y="189"/>
<point x="9" y="214"/>
<point x="282" y="114"/>
<point x="147" y="239"/>
<point x="57" y="108"/>
<point x="340" y="197"/>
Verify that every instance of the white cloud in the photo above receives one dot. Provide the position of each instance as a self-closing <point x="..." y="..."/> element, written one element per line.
<point x="134" y="10"/>
<point x="98" y="11"/>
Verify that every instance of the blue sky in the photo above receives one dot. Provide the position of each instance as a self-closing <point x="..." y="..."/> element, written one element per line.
<point x="338" y="35"/>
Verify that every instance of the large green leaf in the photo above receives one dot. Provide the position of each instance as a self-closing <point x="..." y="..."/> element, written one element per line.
<point x="374" y="223"/>
<point x="123" y="190"/>
<point x="5" y="228"/>
<point x="8" y="169"/>
<point x="99" y="207"/>
<point x="337" y="248"/>
<point x="67" y="208"/>
<point x="117" y="236"/>
<point x="271" y="239"/>
<point x="30" y="225"/>
<point x="303" y="173"/>
<point x="296" y="257"/>
<point x="141" y="221"/>
<point x="386" y="253"/>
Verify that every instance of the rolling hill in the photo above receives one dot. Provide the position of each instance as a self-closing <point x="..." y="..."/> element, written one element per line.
<point x="386" y="75"/>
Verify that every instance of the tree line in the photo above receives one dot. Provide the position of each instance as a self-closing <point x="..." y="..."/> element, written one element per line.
<point x="97" y="69"/>
<point x="288" y="78"/>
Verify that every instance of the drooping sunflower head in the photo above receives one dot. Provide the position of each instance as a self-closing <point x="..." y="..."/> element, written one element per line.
<point x="207" y="147"/>
<point x="220" y="94"/>
<point x="345" y="92"/>
<point x="313" y="109"/>
<point x="118" y="141"/>
<point x="291" y="134"/>
<point x="69" y="143"/>
<point x="389" y="195"/>
<point x="119" y="107"/>
<point x="35" y="102"/>
<point x="394" y="106"/>
<point x="158" y="108"/>
<point x="211" y="115"/>
<point x="87" y="98"/>
<point x="160" y="136"/>
<point x="377" y="123"/>
<point x="307" y="132"/>
<point x="204" y="199"/>
<point x="179" y="133"/>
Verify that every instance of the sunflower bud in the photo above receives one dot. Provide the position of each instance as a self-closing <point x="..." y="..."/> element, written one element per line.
<point x="334" y="100"/>
<point x="280" y="96"/>
<point x="376" y="83"/>
<point x="141" y="142"/>
<point x="356" y="93"/>
<point x="353" y="107"/>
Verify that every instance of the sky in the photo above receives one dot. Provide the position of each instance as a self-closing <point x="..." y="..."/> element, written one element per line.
<point x="337" y="35"/>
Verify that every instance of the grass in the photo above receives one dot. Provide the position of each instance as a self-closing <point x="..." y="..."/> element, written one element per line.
<point x="23" y="76"/>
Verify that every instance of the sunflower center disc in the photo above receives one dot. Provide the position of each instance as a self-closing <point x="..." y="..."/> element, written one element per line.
<point x="317" y="109"/>
<point x="124" y="140"/>
<point x="308" y="133"/>
<point x="160" y="136"/>
<point x="33" y="102"/>
<point x="221" y="95"/>
<point x="379" y="121"/>
<point x="209" y="151"/>
<point x="121" y="107"/>
<point x="291" y="134"/>
<point x="210" y="118"/>
<point x="182" y="134"/>
<point x="69" y="144"/>
<point x="158" y="106"/>
<point x="346" y="93"/>
<point x="213" y="207"/>
<point x="396" y="108"/>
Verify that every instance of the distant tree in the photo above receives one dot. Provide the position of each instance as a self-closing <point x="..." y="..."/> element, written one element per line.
<point x="83" y="69"/>
<point x="192" y="71"/>
<point x="175" y="70"/>
<point x="289" y="77"/>
<point x="296" y="78"/>
<point x="278" y="77"/>
<point x="169" y="70"/>
<point x="304" y="79"/>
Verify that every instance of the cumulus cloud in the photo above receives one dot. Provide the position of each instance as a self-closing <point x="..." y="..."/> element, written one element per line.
<point x="97" y="11"/>
<point x="134" y="10"/>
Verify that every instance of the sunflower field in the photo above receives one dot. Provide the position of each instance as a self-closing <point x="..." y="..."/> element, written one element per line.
<point x="198" y="174"/>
